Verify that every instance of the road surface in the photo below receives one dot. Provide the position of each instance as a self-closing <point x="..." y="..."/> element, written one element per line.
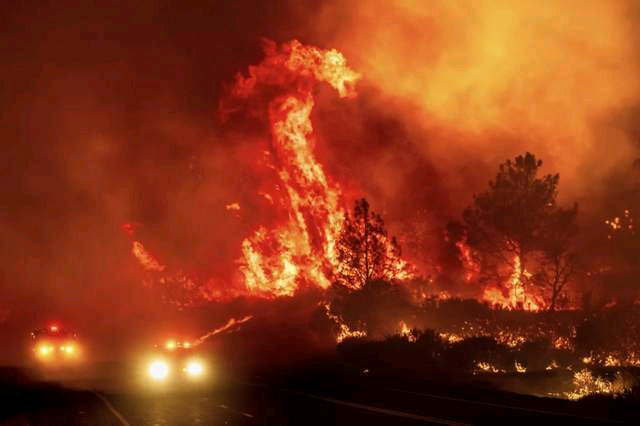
<point x="313" y="401"/>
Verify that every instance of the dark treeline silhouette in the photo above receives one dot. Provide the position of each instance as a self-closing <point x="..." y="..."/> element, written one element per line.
<point x="515" y="234"/>
<point x="516" y="227"/>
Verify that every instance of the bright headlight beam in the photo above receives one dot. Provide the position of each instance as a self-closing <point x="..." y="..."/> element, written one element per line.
<point x="194" y="368"/>
<point x="44" y="349"/>
<point x="159" y="370"/>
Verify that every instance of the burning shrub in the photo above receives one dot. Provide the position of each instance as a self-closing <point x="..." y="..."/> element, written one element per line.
<point x="586" y="383"/>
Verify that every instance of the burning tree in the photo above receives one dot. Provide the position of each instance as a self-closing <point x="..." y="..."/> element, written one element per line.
<point x="519" y="236"/>
<point x="365" y="251"/>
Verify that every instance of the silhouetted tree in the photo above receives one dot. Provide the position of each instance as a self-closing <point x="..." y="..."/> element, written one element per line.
<point x="365" y="251"/>
<point x="516" y="226"/>
<point x="376" y="308"/>
<point x="557" y="263"/>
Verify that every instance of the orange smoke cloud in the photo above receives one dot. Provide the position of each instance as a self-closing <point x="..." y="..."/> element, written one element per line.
<point x="546" y="73"/>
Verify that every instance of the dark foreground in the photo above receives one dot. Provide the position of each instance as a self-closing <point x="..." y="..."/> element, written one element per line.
<point x="309" y="397"/>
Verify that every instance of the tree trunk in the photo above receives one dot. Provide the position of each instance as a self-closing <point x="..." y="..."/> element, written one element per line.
<point x="521" y="277"/>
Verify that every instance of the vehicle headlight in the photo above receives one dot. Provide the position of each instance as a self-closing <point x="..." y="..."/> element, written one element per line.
<point x="194" y="368"/>
<point x="44" y="349"/>
<point x="68" y="348"/>
<point x="158" y="370"/>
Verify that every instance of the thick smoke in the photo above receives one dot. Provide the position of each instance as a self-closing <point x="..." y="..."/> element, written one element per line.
<point x="110" y="117"/>
<point x="482" y="82"/>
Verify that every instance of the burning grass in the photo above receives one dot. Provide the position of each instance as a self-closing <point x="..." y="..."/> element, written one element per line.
<point x="586" y="383"/>
<point x="571" y="354"/>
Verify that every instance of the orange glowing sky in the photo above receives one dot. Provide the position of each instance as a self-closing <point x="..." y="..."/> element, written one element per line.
<point x="555" y="76"/>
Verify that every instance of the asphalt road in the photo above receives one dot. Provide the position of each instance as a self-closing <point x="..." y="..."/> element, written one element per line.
<point x="324" y="399"/>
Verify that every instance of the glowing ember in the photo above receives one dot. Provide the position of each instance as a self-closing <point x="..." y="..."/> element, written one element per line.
<point x="611" y="361"/>
<point x="450" y="337"/>
<point x="620" y="224"/>
<point x="586" y="384"/>
<point x="519" y="367"/>
<point x="562" y="342"/>
<point x="509" y="338"/>
<point x="486" y="367"/>
<point x="552" y="366"/>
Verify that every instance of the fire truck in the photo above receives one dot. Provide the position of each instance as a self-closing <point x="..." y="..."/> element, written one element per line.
<point x="55" y="346"/>
<point x="176" y="361"/>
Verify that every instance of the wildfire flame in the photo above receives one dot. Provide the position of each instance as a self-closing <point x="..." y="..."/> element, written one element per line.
<point x="585" y="383"/>
<point x="514" y="296"/>
<point x="470" y="265"/>
<point x="406" y="332"/>
<point x="301" y="250"/>
<point x="344" y="331"/>
<point x="229" y="325"/>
